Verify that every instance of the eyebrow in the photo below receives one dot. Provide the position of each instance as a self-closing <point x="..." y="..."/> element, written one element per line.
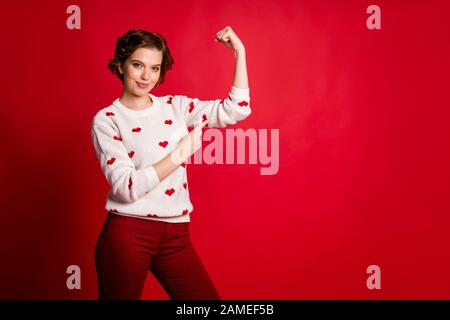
<point x="156" y="65"/>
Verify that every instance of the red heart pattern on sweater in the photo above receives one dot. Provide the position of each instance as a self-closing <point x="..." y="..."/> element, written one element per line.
<point x="170" y="191"/>
<point x="191" y="106"/>
<point x="163" y="144"/>
<point x="204" y="118"/>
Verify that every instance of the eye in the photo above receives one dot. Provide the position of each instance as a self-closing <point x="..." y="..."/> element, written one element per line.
<point x="134" y="64"/>
<point x="156" y="68"/>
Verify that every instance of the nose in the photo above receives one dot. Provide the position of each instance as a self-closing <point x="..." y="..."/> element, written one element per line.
<point x="145" y="75"/>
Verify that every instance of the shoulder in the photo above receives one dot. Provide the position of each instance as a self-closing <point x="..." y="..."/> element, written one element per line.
<point x="104" y="116"/>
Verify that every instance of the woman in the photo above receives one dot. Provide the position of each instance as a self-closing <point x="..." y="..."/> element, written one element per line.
<point x="142" y="143"/>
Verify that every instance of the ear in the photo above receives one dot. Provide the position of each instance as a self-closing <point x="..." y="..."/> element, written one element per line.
<point x="120" y="69"/>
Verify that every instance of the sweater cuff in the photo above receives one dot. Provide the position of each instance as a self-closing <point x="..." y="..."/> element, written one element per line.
<point x="152" y="176"/>
<point x="240" y="93"/>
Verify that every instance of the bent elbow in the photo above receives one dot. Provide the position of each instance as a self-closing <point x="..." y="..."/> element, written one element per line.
<point x="121" y="195"/>
<point x="122" y="189"/>
<point x="244" y="112"/>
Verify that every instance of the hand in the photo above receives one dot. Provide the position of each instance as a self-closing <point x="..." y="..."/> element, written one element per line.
<point x="230" y="39"/>
<point x="188" y="145"/>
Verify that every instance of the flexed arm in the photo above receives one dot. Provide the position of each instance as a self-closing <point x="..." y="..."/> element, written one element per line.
<point x="229" y="38"/>
<point x="220" y="112"/>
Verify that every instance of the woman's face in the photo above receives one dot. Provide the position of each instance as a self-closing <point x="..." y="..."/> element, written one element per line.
<point x="141" y="71"/>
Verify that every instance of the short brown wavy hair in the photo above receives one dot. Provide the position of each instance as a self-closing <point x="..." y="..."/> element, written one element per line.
<point x="135" y="39"/>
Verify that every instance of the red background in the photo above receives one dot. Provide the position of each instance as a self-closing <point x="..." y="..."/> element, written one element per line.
<point x="363" y="116"/>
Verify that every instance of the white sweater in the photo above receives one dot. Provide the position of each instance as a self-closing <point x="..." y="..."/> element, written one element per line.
<point x="128" y="142"/>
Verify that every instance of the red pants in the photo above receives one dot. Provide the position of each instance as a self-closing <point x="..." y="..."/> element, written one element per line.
<point x="129" y="247"/>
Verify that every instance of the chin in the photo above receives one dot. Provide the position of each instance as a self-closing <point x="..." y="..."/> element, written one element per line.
<point x="141" y="93"/>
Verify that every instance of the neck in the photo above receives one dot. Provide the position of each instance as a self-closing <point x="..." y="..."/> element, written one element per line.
<point x="135" y="102"/>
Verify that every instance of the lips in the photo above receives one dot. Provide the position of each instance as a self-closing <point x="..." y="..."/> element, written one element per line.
<point x="142" y="85"/>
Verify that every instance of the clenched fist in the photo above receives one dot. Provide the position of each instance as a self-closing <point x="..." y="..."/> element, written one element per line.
<point x="230" y="39"/>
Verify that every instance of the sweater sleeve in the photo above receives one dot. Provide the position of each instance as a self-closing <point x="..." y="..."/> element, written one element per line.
<point x="127" y="184"/>
<point x="219" y="112"/>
